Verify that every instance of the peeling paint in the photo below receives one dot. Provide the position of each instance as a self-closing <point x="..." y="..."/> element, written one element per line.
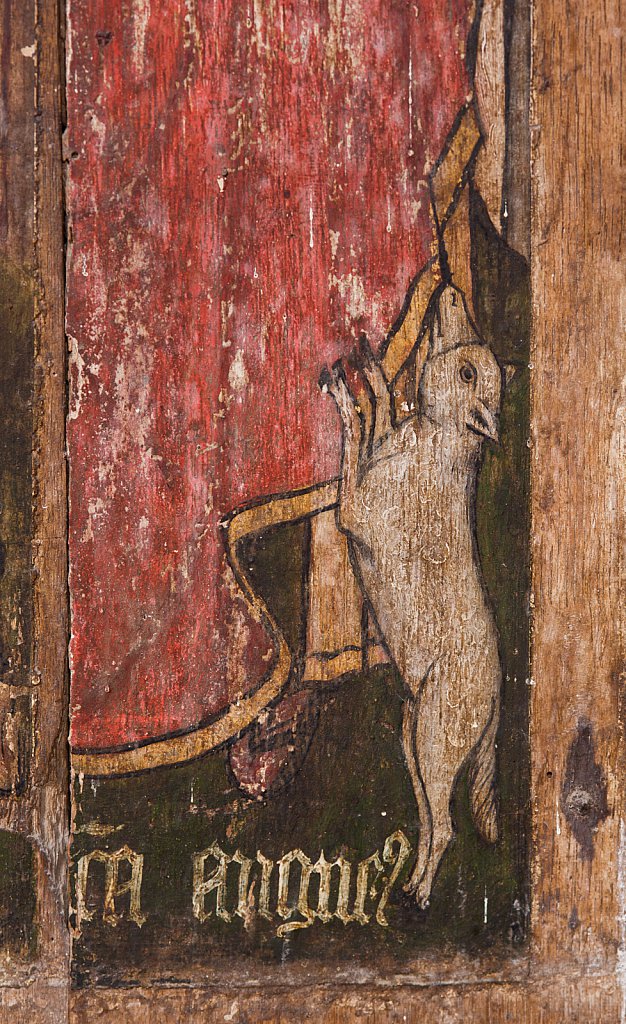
<point x="140" y="14"/>
<point x="352" y="289"/>
<point x="77" y="376"/>
<point x="236" y="222"/>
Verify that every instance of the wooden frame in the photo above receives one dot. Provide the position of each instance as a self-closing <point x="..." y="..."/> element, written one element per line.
<point x="572" y="970"/>
<point x="36" y="807"/>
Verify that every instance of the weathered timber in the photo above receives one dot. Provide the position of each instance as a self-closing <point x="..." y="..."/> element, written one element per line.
<point x="577" y="999"/>
<point x="570" y="969"/>
<point x="578" y="472"/>
<point x="33" y="587"/>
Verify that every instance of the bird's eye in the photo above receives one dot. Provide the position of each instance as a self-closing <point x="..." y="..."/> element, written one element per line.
<point x="467" y="373"/>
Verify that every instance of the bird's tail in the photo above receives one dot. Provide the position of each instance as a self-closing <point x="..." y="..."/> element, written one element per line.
<point x="482" y="782"/>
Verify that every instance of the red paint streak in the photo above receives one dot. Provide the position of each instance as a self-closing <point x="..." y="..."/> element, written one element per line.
<point x="245" y="194"/>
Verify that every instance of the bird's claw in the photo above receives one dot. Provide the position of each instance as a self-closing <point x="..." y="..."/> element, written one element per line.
<point x="416" y="888"/>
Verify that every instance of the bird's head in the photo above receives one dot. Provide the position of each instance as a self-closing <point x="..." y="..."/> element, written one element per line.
<point x="461" y="382"/>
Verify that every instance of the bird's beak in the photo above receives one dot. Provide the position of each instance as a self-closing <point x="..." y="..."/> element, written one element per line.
<point x="483" y="422"/>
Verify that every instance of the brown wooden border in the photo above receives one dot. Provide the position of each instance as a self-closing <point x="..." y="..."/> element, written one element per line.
<point x="565" y="999"/>
<point x="578" y="531"/>
<point x="37" y="986"/>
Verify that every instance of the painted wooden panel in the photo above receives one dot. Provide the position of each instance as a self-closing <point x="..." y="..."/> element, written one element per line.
<point x="248" y="194"/>
<point x="199" y="888"/>
<point x="298" y="486"/>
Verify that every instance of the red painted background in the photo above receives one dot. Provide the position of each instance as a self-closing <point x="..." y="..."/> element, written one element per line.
<point x="246" y="194"/>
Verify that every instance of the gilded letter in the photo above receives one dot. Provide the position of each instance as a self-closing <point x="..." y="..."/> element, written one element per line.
<point x="267" y="866"/>
<point x="362" y="885"/>
<point x="398" y="860"/>
<point x="245" y="905"/>
<point x="302" y="906"/>
<point x="203" y="886"/>
<point x="113" y="889"/>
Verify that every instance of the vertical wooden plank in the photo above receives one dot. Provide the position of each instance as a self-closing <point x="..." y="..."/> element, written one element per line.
<point x="33" y="715"/>
<point x="50" y="802"/>
<point x="16" y="385"/>
<point x="578" y="477"/>
<point x="17" y="859"/>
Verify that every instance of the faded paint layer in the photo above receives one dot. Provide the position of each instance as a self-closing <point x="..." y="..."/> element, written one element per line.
<point x="243" y="201"/>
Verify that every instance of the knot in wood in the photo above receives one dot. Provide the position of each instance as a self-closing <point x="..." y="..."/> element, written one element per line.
<point x="581" y="802"/>
<point x="584" y="790"/>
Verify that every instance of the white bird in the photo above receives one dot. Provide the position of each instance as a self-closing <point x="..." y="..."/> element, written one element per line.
<point x="407" y="506"/>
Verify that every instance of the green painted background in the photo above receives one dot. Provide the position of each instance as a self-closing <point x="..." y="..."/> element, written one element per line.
<point x="17" y="874"/>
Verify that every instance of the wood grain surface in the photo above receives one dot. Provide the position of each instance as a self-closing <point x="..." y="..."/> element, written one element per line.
<point x="571" y="972"/>
<point x="34" y="801"/>
<point x="575" y="999"/>
<point x="578" y="471"/>
<point x="16" y="391"/>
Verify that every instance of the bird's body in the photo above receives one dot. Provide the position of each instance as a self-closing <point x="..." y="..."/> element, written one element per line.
<point x="416" y="538"/>
<point x="407" y="507"/>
